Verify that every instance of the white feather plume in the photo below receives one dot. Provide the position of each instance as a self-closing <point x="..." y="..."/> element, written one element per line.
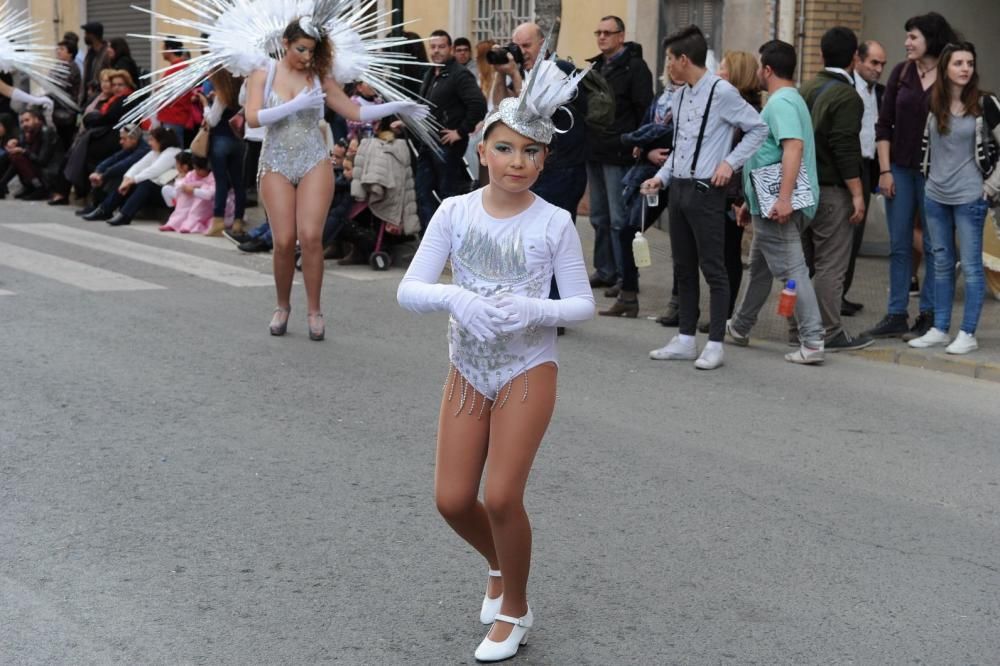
<point x="20" y="52"/>
<point x="548" y="88"/>
<point x="244" y="34"/>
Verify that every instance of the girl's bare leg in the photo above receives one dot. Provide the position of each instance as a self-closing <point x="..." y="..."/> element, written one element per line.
<point x="278" y="195"/>
<point x="312" y="203"/>
<point x="516" y="431"/>
<point x="461" y="456"/>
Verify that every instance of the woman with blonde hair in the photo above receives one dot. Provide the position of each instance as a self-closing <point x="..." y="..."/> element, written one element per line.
<point x="740" y="69"/>
<point x="486" y="71"/>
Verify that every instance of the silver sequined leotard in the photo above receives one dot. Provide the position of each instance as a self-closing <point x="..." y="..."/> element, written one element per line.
<point x="293" y="145"/>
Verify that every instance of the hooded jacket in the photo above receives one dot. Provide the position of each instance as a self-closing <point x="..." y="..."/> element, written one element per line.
<point x="629" y="77"/>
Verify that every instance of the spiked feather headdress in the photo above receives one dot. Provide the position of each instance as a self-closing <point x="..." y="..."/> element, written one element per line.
<point x="20" y="52"/>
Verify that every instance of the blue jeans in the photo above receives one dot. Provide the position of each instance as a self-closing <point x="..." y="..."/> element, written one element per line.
<point x="446" y="179"/>
<point x="899" y="214"/>
<point x="607" y="215"/>
<point x="944" y="222"/>
<point x="226" y="155"/>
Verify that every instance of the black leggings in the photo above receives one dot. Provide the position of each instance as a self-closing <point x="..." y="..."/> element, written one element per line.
<point x="734" y="259"/>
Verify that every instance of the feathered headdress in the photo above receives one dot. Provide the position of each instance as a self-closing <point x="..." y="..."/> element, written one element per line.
<point x="19" y="52"/>
<point x="242" y="35"/>
<point x="546" y="90"/>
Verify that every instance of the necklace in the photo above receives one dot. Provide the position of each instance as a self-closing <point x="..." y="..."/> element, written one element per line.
<point x="923" y="72"/>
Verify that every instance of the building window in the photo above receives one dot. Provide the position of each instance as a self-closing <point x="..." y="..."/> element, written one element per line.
<point x="496" y="19"/>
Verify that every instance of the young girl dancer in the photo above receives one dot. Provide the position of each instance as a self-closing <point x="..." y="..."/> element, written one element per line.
<point x="504" y="244"/>
<point x="296" y="176"/>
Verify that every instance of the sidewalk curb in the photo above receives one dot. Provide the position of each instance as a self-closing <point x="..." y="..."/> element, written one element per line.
<point x="937" y="361"/>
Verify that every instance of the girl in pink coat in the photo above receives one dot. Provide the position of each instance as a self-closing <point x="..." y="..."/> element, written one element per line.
<point x="193" y="196"/>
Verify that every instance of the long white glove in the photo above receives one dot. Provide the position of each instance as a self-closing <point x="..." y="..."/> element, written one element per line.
<point x="522" y="312"/>
<point x="403" y="108"/>
<point x="24" y="98"/>
<point x="314" y="98"/>
<point x="476" y="314"/>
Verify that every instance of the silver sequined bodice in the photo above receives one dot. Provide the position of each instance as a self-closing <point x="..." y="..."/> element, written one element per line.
<point x="294" y="144"/>
<point x="492" y="259"/>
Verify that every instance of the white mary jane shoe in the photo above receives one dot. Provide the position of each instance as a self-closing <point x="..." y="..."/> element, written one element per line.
<point x="490" y="606"/>
<point x="492" y="651"/>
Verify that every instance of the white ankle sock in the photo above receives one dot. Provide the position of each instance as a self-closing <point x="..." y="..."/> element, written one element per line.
<point x="713" y="345"/>
<point x="687" y="340"/>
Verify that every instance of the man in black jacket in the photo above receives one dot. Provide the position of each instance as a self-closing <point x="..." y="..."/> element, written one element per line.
<point x="458" y="104"/>
<point x="622" y="66"/>
<point x="34" y="156"/>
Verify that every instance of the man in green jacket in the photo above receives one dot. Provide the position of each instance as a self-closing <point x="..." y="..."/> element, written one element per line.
<point x="836" y="111"/>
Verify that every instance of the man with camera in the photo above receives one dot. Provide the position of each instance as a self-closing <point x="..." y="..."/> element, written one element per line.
<point x="564" y="179"/>
<point x="458" y="104"/>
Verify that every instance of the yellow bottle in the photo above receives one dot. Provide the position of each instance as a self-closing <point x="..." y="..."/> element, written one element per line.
<point x="640" y="251"/>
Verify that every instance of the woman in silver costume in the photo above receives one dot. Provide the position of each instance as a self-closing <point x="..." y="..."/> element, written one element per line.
<point x="295" y="173"/>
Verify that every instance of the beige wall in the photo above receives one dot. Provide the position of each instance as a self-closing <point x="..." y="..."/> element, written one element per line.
<point x="428" y="15"/>
<point x="69" y="15"/>
<point x="977" y="20"/>
<point x="580" y="19"/>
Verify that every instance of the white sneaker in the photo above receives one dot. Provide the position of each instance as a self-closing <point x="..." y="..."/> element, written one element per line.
<point x="932" y="338"/>
<point x="492" y="651"/>
<point x="806" y="355"/>
<point x="963" y="344"/>
<point x="738" y="338"/>
<point x="675" y="350"/>
<point x="490" y="606"/>
<point x="710" y="358"/>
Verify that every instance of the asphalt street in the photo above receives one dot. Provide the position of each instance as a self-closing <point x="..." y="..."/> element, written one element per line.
<point x="179" y="487"/>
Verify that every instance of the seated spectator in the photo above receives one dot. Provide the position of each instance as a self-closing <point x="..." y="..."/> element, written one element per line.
<point x="120" y="57"/>
<point x="191" y="196"/>
<point x="64" y="117"/>
<point x="33" y="156"/>
<point x="98" y="139"/>
<point x="363" y="95"/>
<point x="142" y="182"/>
<point x="108" y="174"/>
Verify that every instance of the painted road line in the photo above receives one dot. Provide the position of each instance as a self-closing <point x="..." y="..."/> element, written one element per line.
<point x="4" y="292"/>
<point x="208" y="269"/>
<point x="68" y="271"/>
<point x="218" y="242"/>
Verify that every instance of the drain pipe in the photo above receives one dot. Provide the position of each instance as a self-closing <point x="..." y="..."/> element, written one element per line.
<point x="802" y="40"/>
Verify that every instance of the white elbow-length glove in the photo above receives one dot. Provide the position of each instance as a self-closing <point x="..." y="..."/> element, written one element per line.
<point x="409" y="109"/>
<point x="314" y="98"/>
<point x="24" y="98"/>
<point x="476" y="314"/>
<point x="521" y="312"/>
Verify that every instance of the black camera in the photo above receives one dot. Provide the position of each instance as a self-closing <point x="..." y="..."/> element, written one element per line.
<point x="498" y="54"/>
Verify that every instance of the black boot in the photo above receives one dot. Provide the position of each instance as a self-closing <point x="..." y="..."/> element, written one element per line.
<point x="120" y="220"/>
<point x="891" y="326"/>
<point x="97" y="214"/>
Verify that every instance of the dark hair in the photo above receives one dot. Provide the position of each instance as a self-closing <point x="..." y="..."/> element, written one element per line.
<point x="71" y="36"/>
<point x="935" y="29"/>
<point x="940" y="98"/>
<point x="166" y="138"/>
<point x="227" y="87"/>
<point x="688" y="42"/>
<point x="780" y="57"/>
<point x="200" y="162"/>
<point x="619" y="24"/>
<point x="322" y="59"/>
<point x="70" y="46"/>
<point x="35" y="111"/>
<point x="864" y="47"/>
<point x="173" y="45"/>
<point x="462" y="41"/>
<point x="185" y="158"/>
<point x="442" y="33"/>
<point x="121" y="47"/>
<point x="838" y="47"/>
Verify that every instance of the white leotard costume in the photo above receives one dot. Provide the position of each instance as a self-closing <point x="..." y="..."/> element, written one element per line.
<point x="292" y="145"/>
<point x="492" y="257"/>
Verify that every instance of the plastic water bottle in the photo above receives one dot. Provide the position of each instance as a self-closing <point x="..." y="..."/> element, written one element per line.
<point x="653" y="200"/>
<point x="786" y="302"/>
<point x="640" y="251"/>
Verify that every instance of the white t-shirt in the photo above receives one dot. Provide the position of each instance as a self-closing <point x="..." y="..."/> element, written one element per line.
<point x="493" y="257"/>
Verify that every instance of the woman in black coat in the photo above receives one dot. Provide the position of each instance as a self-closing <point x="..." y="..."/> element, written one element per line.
<point x="120" y="57"/>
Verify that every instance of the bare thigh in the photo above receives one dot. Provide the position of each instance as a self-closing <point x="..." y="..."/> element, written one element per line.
<point x="279" y="197"/>
<point x="312" y="202"/>
<point x="461" y="444"/>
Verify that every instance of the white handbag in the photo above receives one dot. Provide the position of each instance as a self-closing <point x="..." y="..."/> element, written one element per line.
<point x="767" y="185"/>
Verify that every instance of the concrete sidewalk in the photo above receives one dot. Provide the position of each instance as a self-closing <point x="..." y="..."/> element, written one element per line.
<point x="870" y="288"/>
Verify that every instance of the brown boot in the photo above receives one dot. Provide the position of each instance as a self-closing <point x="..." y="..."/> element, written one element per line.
<point x="239" y="227"/>
<point x="627" y="305"/>
<point x="218" y="226"/>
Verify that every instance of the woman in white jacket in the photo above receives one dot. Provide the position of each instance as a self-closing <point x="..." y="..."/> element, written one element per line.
<point x="140" y="185"/>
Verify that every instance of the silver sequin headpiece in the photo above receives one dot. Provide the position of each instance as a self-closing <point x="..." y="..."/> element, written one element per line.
<point x="546" y="90"/>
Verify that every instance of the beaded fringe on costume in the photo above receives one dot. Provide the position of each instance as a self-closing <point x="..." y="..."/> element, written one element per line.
<point x="455" y="380"/>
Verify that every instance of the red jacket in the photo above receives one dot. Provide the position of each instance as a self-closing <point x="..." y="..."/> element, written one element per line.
<point x="181" y="110"/>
